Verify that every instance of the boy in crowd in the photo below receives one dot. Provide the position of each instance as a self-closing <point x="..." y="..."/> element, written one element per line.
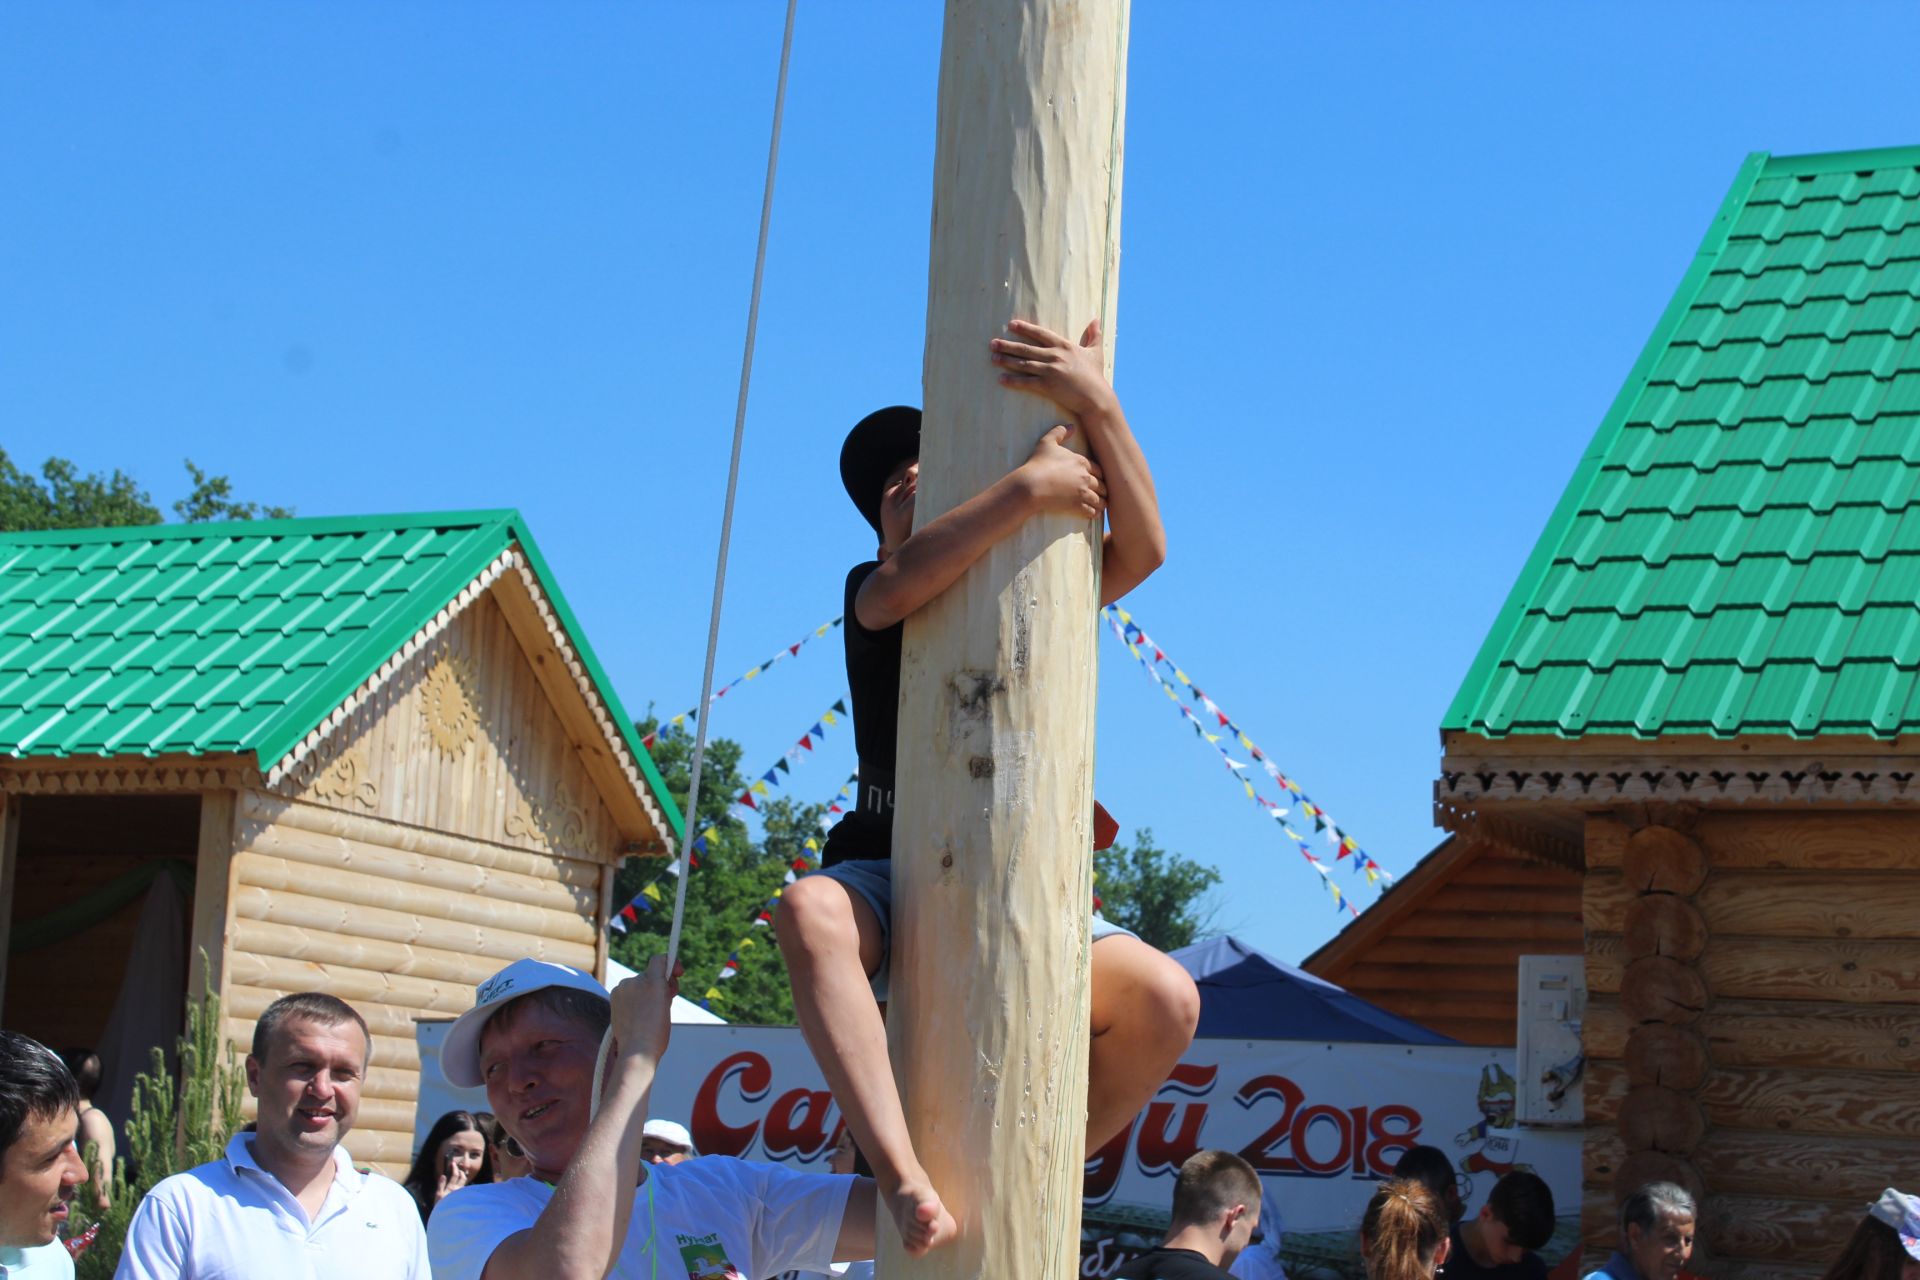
<point x="834" y="926"/>
<point x="39" y="1167"/>
<point x="1499" y="1242"/>
<point x="1216" y="1213"/>
<point x="593" y="1208"/>
<point x="286" y="1200"/>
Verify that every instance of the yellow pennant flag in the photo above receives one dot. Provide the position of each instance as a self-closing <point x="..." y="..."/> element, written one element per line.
<point x="828" y="718"/>
<point x="652" y="892"/>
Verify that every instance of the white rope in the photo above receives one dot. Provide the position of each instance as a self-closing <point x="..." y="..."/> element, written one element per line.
<point x="692" y="814"/>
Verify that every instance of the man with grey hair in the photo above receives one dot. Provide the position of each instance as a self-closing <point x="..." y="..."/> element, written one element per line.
<point x="1656" y="1235"/>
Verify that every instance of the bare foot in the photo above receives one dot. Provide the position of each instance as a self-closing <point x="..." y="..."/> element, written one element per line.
<point x="923" y="1221"/>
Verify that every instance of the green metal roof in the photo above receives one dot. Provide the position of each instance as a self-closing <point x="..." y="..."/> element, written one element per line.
<point x="239" y="637"/>
<point x="1739" y="549"/>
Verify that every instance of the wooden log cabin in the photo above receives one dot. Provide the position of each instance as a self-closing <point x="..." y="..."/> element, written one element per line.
<point x="379" y="750"/>
<point x="1704" y="681"/>
<point x="1442" y="947"/>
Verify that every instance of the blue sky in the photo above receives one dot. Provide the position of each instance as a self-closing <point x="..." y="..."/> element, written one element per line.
<point x="1383" y="269"/>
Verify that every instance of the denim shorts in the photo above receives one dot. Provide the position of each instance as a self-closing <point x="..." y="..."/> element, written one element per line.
<point x="872" y="880"/>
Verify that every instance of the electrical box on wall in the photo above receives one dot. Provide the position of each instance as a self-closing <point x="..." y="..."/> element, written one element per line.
<point x="1549" y="1056"/>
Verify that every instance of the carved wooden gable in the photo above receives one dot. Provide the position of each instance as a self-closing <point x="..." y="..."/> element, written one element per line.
<point x="464" y="739"/>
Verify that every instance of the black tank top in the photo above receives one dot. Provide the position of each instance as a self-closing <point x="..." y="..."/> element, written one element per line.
<point x="873" y="679"/>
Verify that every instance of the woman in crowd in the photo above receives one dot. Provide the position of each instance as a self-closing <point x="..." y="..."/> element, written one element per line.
<point x="95" y="1128"/>
<point x="1886" y="1244"/>
<point x="453" y="1156"/>
<point x="1404" y="1235"/>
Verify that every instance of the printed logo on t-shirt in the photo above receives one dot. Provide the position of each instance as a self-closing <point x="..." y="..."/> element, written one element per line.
<point x="706" y="1258"/>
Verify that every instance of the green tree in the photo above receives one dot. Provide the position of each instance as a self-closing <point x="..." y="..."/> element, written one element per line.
<point x="170" y="1129"/>
<point x="726" y="892"/>
<point x="60" y="497"/>
<point x="1159" y="895"/>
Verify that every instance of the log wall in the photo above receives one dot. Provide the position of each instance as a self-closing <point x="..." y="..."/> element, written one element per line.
<point x="464" y="740"/>
<point x="1754" y="1025"/>
<point x="1452" y="961"/>
<point x="398" y="922"/>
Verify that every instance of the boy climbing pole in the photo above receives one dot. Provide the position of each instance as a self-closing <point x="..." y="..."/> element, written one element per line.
<point x="835" y="926"/>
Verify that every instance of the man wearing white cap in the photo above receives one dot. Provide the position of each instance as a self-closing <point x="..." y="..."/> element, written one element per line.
<point x="532" y="1039"/>
<point x="664" y="1142"/>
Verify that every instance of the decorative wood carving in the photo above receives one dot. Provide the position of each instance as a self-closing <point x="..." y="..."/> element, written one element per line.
<point x="347" y="780"/>
<point x="555" y="823"/>
<point x="448" y="704"/>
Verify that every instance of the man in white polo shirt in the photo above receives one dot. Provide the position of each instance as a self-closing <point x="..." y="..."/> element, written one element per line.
<point x="39" y="1168"/>
<point x="532" y="1038"/>
<point x="286" y="1200"/>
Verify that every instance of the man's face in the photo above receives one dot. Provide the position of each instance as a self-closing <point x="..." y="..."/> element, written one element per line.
<point x="37" y="1179"/>
<point x="1494" y="1239"/>
<point x="896" y="504"/>
<point x="1659" y="1252"/>
<point x="538" y="1069"/>
<point x="660" y="1151"/>
<point x="1240" y="1233"/>
<point x="309" y="1086"/>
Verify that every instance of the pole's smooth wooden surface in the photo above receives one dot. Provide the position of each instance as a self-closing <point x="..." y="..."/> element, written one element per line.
<point x="992" y="831"/>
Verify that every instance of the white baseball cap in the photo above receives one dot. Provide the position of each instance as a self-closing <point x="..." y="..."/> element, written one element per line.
<point x="460" y="1051"/>
<point x="669" y="1132"/>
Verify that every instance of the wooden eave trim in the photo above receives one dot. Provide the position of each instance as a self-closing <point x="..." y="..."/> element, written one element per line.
<point x="1410" y="892"/>
<point x="588" y="720"/>
<point x="1812" y="776"/>
<point x="1494" y="829"/>
<point x="175" y="773"/>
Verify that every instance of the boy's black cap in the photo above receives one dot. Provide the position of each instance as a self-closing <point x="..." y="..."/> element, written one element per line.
<point x="877" y="444"/>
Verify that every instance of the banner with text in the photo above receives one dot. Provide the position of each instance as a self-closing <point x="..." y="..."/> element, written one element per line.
<point x="1321" y="1122"/>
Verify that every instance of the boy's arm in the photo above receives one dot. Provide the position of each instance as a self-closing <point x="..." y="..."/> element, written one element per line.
<point x="580" y="1233"/>
<point x="1044" y="363"/>
<point x="1053" y="478"/>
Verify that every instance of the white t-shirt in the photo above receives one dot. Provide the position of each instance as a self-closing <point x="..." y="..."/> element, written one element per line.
<point x="714" y="1218"/>
<point x="230" y="1218"/>
<point x="43" y="1262"/>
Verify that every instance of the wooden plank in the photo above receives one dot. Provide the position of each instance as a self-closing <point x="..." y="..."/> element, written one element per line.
<point x="352" y="985"/>
<point x="263" y="810"/>
<point x="1551" y="931"/>
<point x="9" y="857"/>
<point x="1502" y="981"/>
<point x="271" y="935"/>
<point x="543" y="889"/>
<point x="602" y="936"/>
<point x="1482" y="1031"/>
<point x="1655" y="988"/>
<point x="355" y="889"/>
<point x="1847" y="1104"/>
<point x="212" y="893"/>
<point x="1664" y="924"/>
<point x="1604" y="1030"/>
<point x="1793" y="840"/>
<point x="1873" y="972"/>
<point x="1776" y="1230"/>
<point x="1500" y="871"/>
<point x="396" y="1052"/>
<point x="1813" y="905"/>
<point x="246" y="1003"/>
<point x="1472" y="951"/>
<point x="1780" y="1033"/>
<point x="1605" y="1088"/>
<point x="1506" y="900"/>
<point x="1851" y="1170"/>
<point x="1672" y="1057"/>
<point x="1603" y="902"/>
<point x="1662" y="860"/>
<point x="1606" y="842"/>
<point x="383" y="1148"/>
<point x="325" y="924"/>
<point x="1606" y="957"/>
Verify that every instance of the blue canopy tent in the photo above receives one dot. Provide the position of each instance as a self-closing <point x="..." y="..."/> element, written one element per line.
<point x="1245" y="995"/>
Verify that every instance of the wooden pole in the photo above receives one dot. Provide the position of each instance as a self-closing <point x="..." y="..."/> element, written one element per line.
<point x="992" y="830"/>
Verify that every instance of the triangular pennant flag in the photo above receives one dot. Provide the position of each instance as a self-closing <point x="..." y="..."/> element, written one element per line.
<point x="652" y="891"/>
<point x="618" y="923"/>
<point x="840" y="706"/>
<point x="827" y="717"/>
<point x="746" y="798"/>
<point x="770" y="776"/>
<point x="817" y="731"/>
<point x="783" y="766"/>
<point x="761" y="786"/>
<point x="713" y="993"/>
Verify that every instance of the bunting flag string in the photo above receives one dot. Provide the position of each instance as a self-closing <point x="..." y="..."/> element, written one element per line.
<point x="1219" y="726"/>
<point x="650" y="895"/>
<point x="763" y="918"/>
<point x="678" y="724"/>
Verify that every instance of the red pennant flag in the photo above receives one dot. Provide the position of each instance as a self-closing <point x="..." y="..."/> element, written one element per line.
<point x="746" y="798"/>
<point x="1158" y="656"/>
<point x="629" y="912"/>
<point x="795" y="650"/>
<point x="647" y="741"/>
<point x="806" y="740"/>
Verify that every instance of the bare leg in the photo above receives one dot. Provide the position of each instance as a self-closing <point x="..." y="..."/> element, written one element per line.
<point x="1145" y="1008"/>
<point x="831" y="940"/>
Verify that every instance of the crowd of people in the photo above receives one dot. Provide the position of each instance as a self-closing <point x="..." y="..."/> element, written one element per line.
<point x="556" y="1182"/>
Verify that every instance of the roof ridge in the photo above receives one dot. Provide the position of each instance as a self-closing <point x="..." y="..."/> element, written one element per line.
<point x="1813" y="162"/>
<point x="308" y="525"/>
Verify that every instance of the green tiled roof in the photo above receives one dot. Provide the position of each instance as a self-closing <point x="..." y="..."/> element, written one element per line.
<point x="233" y="638"/>
<point x="1739" y="549"/>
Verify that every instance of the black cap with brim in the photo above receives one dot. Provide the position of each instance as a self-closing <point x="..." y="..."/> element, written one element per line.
<point x="877" y="444"/>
